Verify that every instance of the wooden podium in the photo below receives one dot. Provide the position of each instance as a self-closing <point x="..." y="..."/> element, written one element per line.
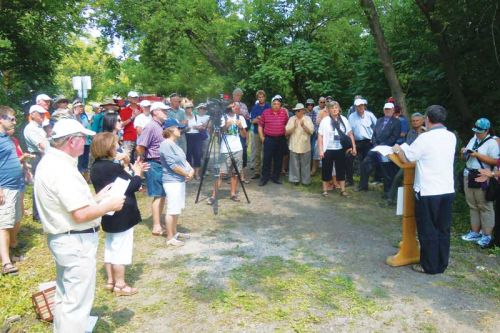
<point x="409" y="249"/>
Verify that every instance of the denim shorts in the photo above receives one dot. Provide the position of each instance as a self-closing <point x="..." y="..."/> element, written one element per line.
<point x="154" y="180"/>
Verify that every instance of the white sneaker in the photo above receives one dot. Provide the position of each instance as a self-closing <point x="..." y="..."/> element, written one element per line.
<point x="175" y="242"/>
<point x="182" y="235"/>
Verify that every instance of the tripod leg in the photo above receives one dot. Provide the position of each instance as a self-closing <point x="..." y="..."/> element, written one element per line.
<point x="233" y="163"/>
<point x="205" y="165"/>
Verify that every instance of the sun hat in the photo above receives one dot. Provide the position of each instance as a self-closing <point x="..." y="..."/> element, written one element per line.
<point x="298" y="107"/>
<point x="360" y="101"/>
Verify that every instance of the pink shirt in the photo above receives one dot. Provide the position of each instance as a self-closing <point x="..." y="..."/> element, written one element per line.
<point x="274" y="123"/>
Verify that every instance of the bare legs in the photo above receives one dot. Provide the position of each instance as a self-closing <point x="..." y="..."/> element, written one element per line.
<point x="156" y="210"/>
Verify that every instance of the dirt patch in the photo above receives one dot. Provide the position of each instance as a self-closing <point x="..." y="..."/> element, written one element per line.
<point x="292" y="261"/>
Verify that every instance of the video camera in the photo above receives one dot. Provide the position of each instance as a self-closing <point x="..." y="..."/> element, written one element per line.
<point x="216" y="108"/>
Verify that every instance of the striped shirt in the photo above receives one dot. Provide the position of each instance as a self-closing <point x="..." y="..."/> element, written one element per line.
<point x="151" y="137"/>
<point x="274" y="123"/>
<point x="11" y="175"/>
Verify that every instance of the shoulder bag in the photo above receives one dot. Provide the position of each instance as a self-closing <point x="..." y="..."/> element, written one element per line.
<point x="345" y="140"/>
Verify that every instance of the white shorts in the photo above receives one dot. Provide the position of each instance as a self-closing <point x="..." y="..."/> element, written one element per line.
<point x="176" y="197"/>
<point x="118" y="247"/>
<point x="10" y="211"/>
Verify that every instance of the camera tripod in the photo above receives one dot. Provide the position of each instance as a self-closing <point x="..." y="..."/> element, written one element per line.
<point x="212" y="151"/>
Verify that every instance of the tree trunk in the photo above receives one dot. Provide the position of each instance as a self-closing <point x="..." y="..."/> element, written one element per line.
<point x="448" y="59"/>
<point x="384" y="54"/>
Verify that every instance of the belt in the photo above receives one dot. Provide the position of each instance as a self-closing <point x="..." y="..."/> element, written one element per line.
<point x="86" y="231"/>
<point x="156" y="160"/>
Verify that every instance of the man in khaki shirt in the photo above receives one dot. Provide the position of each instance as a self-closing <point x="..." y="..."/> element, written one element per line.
<point x="71" y="216"/>
<point x="299" y="130"/>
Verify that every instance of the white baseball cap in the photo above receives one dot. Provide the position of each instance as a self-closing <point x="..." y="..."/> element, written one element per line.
<point x="66" y="127"/>
<point x="43" y="97"/>
<point x="145" y="103"/>
<point x="37" y="108"/>
<point x="360" y="101"/>
<point x="388" y="106"/>
<point x="159" y="105"/>
<point x="133" y="94"/>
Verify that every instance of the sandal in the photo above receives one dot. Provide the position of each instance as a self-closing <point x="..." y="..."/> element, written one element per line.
<point x="109" y="286"/>
<point x="418" y="268"/>
<point x="235" y="198"/>
<point x="9" y="269"/>
<point x="324" y="194"/>
<point x="122" y="291"/>
<point x="161" y="233"/>
<point x="344" y="193"/>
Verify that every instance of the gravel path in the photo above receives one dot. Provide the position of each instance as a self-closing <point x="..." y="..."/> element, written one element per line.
<point x="268" y="266"/>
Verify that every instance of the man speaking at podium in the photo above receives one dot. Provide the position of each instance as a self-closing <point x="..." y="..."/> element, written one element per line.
<point x="433" y="153"/>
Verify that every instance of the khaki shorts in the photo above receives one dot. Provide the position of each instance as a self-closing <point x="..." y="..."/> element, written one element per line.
<point x="226" y="167"/>
<point x="10" y="211"/>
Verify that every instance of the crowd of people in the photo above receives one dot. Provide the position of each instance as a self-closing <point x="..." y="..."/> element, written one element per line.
<point x="156" y="147"/>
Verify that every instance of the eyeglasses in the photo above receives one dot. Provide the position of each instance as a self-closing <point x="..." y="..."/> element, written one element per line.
<point x="322" y="102"/>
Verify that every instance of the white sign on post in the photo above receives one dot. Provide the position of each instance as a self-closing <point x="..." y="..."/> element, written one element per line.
<point x="82" y="82"/>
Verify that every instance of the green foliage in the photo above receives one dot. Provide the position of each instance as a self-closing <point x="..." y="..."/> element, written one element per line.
<point x="33" y="37"/>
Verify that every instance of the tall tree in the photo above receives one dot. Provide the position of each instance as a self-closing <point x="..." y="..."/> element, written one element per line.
<point x="33" y="38"/>
<point x="384" y="53"/>
<point x="448" y="57"/>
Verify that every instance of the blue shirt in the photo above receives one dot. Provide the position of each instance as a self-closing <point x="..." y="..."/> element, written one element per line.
<point x="171" y="156"/>
<point x="405" y="127"/>
<point x="12" y="173"/>
<point x="257" y="110"/>
<point x="362" y="127"/>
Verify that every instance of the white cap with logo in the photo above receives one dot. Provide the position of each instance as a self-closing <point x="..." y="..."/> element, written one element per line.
<point x="66" y="127"/>
<point x="388" y="106"/>
<point x="133" y="94"/>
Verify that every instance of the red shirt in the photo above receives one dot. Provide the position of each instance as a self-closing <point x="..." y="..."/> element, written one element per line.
<point x="129" y="132"/>
<point x="19" y="151"/>
<point x="274" y="123"/>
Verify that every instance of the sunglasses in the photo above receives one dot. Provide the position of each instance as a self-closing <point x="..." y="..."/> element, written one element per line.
<point x="11" y="118"/>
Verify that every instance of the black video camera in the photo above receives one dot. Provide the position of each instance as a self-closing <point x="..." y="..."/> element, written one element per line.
<point x="216" y="108"/>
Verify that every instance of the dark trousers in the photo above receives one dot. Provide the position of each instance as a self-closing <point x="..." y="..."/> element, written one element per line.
<point x="433" y="217"/>
<point x="371" y="161"/>
<point x="194" y="145"/>
<point x="389" y="172"/>
<point x="362" y="147"/>
<point x="273" y="155"/>
<point x="83" y="159"/>
<point x="245" y="151"/>
<point x="330" y="156"/>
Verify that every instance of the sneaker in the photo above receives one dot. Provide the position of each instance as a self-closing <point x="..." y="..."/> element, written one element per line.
<point x="182" y="235"/>
<point x="484" y="241"/>
<point x="175" y="242"/>
<point x="210" y="201"/>
<point x="471" y="236"/>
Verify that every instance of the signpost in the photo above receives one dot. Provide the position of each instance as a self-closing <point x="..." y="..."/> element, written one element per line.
<point x="82" y="84"/>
